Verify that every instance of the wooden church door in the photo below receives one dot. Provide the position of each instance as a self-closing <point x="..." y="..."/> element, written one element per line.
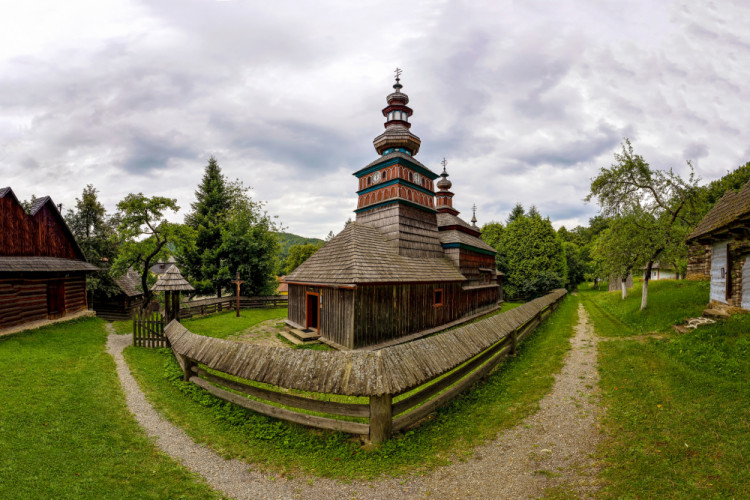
<point x="312" y="311"/>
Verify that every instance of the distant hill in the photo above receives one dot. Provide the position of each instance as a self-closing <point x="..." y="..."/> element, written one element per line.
<point x="286" y="240"/>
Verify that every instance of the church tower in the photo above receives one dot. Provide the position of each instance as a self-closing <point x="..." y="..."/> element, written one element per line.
<point x="396" y="192"/>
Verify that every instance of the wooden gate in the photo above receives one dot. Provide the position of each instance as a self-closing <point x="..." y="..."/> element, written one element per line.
<point x="148" y="330"/>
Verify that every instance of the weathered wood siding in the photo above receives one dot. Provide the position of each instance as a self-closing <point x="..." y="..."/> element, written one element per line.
<point x="40" y="236"/>
<point x="745" y="302"/>
<point x="719" y="262"/>
<point x="336" y="311"/>
<point x="387" y="312"/>
<point x="413" y="231"/>
<point x="24" y="299"/>
<point x="470" y="262"/>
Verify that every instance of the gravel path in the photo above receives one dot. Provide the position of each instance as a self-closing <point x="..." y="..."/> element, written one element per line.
<point x="551" y="448"/>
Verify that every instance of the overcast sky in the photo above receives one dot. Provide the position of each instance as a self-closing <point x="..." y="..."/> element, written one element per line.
<point x="526" y="100"/>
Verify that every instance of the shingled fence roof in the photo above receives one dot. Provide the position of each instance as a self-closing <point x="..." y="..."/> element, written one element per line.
<point x="733" y="207"/>
<point x="392" y="370"/>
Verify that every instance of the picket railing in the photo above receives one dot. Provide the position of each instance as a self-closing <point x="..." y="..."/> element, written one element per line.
<point x="210" y="306"/>
<point x="148" y="329"/>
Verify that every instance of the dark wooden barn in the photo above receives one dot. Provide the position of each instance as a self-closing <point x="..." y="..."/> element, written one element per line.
<point x="42" y="269"/>
<point x="121" y="305"/>
<point x="407" y="265"/>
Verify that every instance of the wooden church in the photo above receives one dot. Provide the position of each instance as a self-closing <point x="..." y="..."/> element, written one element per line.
<point x="42" y="268"/>
<point x="408" y="264"/>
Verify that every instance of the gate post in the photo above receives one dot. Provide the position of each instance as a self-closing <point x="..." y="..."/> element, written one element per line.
<point x="381" y="418"/>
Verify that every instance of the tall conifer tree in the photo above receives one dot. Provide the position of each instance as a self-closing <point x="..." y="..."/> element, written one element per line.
<point x="209" y="215"/>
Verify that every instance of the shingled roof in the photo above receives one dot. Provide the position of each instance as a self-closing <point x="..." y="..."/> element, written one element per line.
<point x="361" y="254"/>
<point x="43" y="264"/>
<point x="445" y="219"/>
<point x="454" y="236"/>
<point x="732" y="208"/>
<point x="172" y="281"/>
<point x="130" y="283"/>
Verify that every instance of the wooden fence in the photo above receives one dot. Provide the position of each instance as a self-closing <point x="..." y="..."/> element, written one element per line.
<point x="403" y="383"/>
<point x="148" y="330"/>
<point x="210" y="306"/>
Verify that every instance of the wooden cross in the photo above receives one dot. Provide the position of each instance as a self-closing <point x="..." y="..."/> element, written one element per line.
<point x="238" y="282"/>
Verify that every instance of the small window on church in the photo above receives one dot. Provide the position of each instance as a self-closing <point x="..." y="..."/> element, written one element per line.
<point x="438" y="297"/>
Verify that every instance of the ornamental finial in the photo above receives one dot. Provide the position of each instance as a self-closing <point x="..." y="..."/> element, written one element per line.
<point x="474" y="215"/>
<point x="398" y="85"/>
<point x="444" y="163"/>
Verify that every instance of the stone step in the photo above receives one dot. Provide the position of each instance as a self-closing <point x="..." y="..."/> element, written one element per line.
<point x="291" y="338"/>
<point x="306" y="334"/>
<point x="716" y="313"/>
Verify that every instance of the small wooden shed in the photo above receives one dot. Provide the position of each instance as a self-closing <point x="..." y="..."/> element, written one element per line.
<point x="726" y="228"/>
<point x="121" y="305"/>
<point x="172" y="283"/>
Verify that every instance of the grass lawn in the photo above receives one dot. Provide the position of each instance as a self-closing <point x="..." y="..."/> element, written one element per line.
<point x="223" y="325"/>
<point x="65" y="431"/>
<point x="509" y="395"/>
<point x="669" y="302"/>
<point x="678" y="409"/>
<point x="123" y="327"/>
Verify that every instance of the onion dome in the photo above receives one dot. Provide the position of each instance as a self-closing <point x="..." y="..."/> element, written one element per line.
<point x="397" y="136"/>
<point x="444" y="184"/>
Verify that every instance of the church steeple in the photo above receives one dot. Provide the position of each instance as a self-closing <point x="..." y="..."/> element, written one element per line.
<point x="444" y="197"/>
<point x="397" y="136"/>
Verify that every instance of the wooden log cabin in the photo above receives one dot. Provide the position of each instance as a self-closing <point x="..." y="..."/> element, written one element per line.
<point x="42" y="269"/>
<point x="121" y="305"/>
<point x="720" y="245"/>
<point x="408" y="264"/>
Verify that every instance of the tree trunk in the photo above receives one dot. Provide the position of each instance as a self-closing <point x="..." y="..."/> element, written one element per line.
<point x="646" y="279"/>
<point x="624" y="285"/>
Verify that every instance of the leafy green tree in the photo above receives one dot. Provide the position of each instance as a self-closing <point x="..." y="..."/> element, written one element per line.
<point x="249" y="245"/>
<point x="299" y="254"/>
<point x="492" y="234"/>
<point x="535" y="257"/>
<point x="208" y="217"/>
<point x="630" y="186"/>
<point x="95" y="234"/>
<point x="144" y="235"/>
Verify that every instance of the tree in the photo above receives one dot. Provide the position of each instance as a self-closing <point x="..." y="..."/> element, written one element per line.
<point x="95" y="234"/>
<point x="517" y="212"/>
<point x="630" y="186"/>
<point x="534" y="257"/>
<point x="299" y="254"/>
<point x="622" y="248"/>
<point x="144" y="234"/>
<point x="208" y="217"/>
<point x="492" y="234"/>
<point x="249" y="245"/>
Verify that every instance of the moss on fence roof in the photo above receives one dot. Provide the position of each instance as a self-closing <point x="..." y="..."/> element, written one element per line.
<point x="392" y="370"/>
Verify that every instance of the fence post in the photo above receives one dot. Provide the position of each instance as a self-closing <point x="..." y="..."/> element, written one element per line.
<point x="381" y="418"/>
<point x="187" y="366"/>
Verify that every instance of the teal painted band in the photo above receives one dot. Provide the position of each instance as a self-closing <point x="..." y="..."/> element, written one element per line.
<point x="397" y="200"/>
<point x="396" y="181"/>
<point x="422" y="170"/>
<point x="467" y="247"/>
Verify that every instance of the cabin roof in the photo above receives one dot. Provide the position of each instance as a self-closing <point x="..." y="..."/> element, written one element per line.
<point x="361" y="254"/>
<point x="445" y="219"/>
<point x="130" y="283"/>
<point x="732" y="207"/>
<point x="43" y="264"/>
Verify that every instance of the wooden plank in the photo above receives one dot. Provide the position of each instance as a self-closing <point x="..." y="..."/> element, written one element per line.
<point x="445" y="398"/>
<point x="332" y="407"/>
<point x="283" y="413"/>
<point x="449" y="380"/>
